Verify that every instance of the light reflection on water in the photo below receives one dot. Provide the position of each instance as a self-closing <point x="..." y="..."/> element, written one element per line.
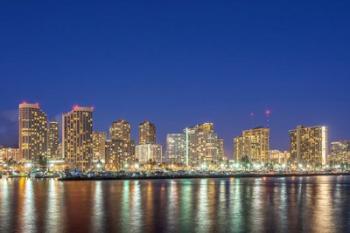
<point x="53" y="214"/>
<point x="304" y="204"/>
<point x="28" y="215"/>
<point x="98" y="213"/>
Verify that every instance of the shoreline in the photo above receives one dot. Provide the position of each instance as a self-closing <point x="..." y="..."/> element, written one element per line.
<point x="199" y="176"/>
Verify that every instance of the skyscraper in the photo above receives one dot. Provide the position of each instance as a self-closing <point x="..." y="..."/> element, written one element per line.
<point x="202" y="145"/>
<point x="308" y="146"/>
<point x="147" y="133"/>
<point x="98" y="146"/>
<point x="253" y="144"/>
<point x="340" y="153"/>
<point x="120" y="145"/>
<point x="120" y="130"/>
<point x="111" y="163"/>
<point x="32" y="132"/>
<point x="52" y="140"/>
<point x="175" y="150"/>
<point x="77" y="137"/>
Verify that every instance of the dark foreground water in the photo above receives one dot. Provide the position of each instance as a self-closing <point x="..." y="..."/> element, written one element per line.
<point x="303" y="204"/>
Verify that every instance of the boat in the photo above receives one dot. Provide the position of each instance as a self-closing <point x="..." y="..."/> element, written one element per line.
<point x="17" y="175"/>
<point x="44" y="175"/>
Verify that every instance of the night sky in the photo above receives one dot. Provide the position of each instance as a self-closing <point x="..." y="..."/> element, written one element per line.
<point x="178" y="63"/>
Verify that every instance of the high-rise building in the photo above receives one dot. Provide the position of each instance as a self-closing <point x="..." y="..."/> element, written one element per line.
<point x="253" y="144"/>
<point x="175" y="151"/>
<point x="32" y="132"/>
<point x="340" y="153"/>
<point x="99" y="146"/>
<point x="149" y="153"/>
<point x="120" y="130"/>
<point x="308" y="146"/>
<point x="203" y="146"/>
<point x="147" y="133"/>
<point x="112" y="162"/>
<point x="77" y="137"/>
<point x="53" y="140"/>
<point x="120" y="151"/>
<point x="117" y="155"/>
<point x="238" y="149"/>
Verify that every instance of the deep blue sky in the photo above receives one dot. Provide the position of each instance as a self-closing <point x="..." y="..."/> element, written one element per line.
<point x="178" y="63"/>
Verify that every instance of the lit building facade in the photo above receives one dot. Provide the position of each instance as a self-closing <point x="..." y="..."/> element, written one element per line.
<point x="53" y="140"/>
<point x="203" y="146"/>
<point x="175" y="151"/>
<point x="149" y="154"/>
<point x="120" y="130"/>
<point x="308" y="146"/>
<point x="253" y="144"/>
<point x="99" y="146"/>
<point x="7" y="153"/>
<point x="120" y="148"/>
<point x="340" y="153"/>
<point x="112" y="162"/>
<point x="279" y="157"/>
<point x="77" y="137"/>
<point x="32" y="132"/>
<point x="147" y="133"/>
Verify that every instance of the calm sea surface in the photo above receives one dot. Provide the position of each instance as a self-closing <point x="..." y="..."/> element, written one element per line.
<point x="305" y="204"/>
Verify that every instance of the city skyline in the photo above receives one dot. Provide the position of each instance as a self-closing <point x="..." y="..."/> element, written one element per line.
<point x="134" y="129"/>
<point x="198" y="146"/>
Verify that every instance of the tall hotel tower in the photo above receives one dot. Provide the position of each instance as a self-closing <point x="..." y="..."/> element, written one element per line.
<point x="32" y="131"/>
<point x="77" y="137"/>
<point x="121" y="142"/>
<point x="202" y="145"/>
<point x="308" y="146"/>
<point x="254" y="144"/>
